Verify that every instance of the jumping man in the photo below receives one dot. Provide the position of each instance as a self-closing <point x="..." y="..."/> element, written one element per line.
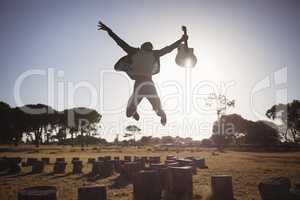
<point x="140" y="64"/>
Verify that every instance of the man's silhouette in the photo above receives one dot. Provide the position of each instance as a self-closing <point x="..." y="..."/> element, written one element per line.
<point x="140" y="64"/>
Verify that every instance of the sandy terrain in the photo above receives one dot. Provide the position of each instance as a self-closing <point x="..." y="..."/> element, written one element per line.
<point x="247" y="169"/>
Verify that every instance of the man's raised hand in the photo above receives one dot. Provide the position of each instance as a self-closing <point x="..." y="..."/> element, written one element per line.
<point x="184" y="37"/>
<point x="103" y="27"/>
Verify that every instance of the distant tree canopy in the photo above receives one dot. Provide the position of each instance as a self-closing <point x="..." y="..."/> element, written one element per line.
<point x="41" y="124"/>
<point x="235" y="129"/>
<point x="289" y="116"/>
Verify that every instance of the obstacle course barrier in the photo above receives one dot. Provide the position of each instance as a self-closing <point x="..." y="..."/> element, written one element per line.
<point x="147" y="185"/>
<point x="38" y="193"/>
<point x="275" y="188"/>
<point x="92" y="193"/>
<point x="77" y="166"/>
<point x="59" y="167"/>
<point x="221" y="186"/>
<point x="130" y="169"/>
<point x="38" y="166"/>
<point x="180" y="183"/>
<point x="46" y="161"/>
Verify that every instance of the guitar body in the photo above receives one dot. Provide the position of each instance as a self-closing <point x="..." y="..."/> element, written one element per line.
<point x="185" y="56"/>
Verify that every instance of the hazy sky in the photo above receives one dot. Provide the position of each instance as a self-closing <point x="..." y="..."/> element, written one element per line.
<point x="250" y="46"/>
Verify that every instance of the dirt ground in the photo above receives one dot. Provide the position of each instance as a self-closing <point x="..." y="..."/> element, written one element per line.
<point x="247" y="170"/>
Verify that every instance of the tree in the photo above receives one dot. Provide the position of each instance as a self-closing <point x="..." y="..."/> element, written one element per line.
<point x="85" y="121"/>
<point x="206" y="143"/>
<point x="66" y="123"/>
<point x="13" y="123"/>
<point x="222" y="103"/>
<point x="5" y="126"/>
<point x="40" y="121"/>
<point x="19" y="125"/>
<point x="233" y="126"/>
<point x="289" y="115"/>
<point x="132" y="130"/>
<point x="38" y="117"/>
<point x="145" y="140"/>
<point x="61" y="136"/>
<point x="167" y="139"/>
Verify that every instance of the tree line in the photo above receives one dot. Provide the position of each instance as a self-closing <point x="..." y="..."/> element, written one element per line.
<point x="234" y="129"/>
<point x="42" y="124"/>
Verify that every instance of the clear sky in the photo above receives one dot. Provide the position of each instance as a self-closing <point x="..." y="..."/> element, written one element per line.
<point x="252" y="46"/>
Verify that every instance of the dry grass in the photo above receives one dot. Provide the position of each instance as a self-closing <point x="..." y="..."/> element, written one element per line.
<point x="247" y="169"/>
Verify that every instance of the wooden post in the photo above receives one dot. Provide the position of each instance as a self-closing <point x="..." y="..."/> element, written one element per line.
<point x="37" y="166"/>
<point x="127" y="158"/>
<point x="101" y="158"/>
<point x="116" y="158"/>
<point x="176" y="164"/>
<point x="157" y="165"/>
<point x="171" y="157"/>
<point x="164" y="178"/>
<point x="96" y="169"/>
<point x="46" y="161"/>
<point x="60" y="160"/>
<point x="145" y="159"/>
<point x="200" y="163"/>
<point x="117" y="165"/>
<point x="91" y="160"/>
<point x="167" y="162"/>
<point x="38" y="193"/>
<point x="275" y="188"/>
<point x="59" y="167"/>
<point x="92" y="193"/>
<point x="187" y="162"/>
<point x="190" y="158"/>
<point x="142" y="163"/>
<point x="77" y="167"/>
<point x="30" y="161"/>
<point x="130" y="169"/>
<point x="107" y="168"/>
<point x="221" y="187"/>
<point x="4" y="165"/>
<point x="163" y="174"/>
<point x="14" y="165"/>
<point x="147" y="186"/>
<point x="107" y="158"/>
<point x="295" y="191"/>
<point x="154" y="159"/>
<point x="180" y="184"/>
<point x="75" y="159"/>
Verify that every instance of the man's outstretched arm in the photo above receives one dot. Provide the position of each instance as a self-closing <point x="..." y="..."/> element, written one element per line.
<point x="126" y="47"/>
<point x="171" y="47"/>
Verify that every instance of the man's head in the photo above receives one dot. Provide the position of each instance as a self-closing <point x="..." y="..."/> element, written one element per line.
<point x="147" y="46"/>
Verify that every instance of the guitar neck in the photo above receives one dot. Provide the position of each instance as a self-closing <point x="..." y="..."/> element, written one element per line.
<point x="185" y="33"/>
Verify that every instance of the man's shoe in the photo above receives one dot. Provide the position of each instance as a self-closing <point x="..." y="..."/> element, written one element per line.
<point x="130" y="111"/>
<point x="136" y="116"/>
<point x="163" y="118"/>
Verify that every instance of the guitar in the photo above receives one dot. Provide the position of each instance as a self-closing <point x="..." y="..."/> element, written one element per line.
<point x="185" y="56"/>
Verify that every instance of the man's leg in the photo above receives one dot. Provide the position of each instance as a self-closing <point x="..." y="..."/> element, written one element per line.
<point x="131" y="110"/>
<point x="133" y="102"/>
<point x="152" y="96"/>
